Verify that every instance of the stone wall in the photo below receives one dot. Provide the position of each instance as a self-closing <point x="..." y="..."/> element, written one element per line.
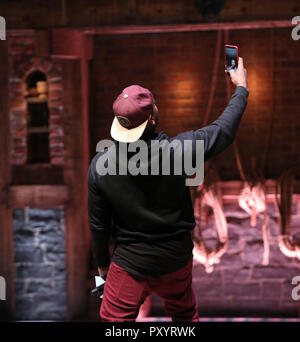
<point x="40" y="266"/>
<point x="240" y="285"/>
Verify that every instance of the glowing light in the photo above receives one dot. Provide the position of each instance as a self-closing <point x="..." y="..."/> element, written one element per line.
<point x="200" y="252"/>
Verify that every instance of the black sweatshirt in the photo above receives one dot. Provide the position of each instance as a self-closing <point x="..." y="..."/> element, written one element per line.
<point x="150" y="217"/>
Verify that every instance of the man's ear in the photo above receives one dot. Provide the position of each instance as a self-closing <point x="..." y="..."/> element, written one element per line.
<point x="151" y="119"/>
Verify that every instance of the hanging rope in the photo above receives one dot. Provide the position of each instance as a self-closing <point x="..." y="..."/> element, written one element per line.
<point x="265" y="233"/>
<point x="252" y="200"/>
<point x="209" y="193"/>
<point x="271" y="117"/>
<point x="253" y="197"/>
<point x="214" y="79"/>
<point x="265" y="226"/>
<point x="210" y="197"/>
<point x="284" y="193"/>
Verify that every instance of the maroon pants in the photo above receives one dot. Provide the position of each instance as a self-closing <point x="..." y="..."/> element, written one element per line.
<point x="124" y="293"/>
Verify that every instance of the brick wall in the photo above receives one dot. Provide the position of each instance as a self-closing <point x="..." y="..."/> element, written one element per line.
<point x="178" y="67"/>
<point x="39" y="237"/>
<point x="22" y="62"/>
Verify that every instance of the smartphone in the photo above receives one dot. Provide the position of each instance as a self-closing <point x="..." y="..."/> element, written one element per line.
<point x="231" y="57"/>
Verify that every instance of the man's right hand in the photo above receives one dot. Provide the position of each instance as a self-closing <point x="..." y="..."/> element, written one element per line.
<point x="103" y="272"/>
<point x="239" y="76"/>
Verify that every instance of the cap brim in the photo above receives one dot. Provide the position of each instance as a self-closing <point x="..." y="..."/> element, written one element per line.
<point x="122" y="134"/>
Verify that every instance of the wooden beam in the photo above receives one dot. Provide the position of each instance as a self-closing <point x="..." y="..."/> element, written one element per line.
<point x="37" y="196"/>
<point x="142" y="29"/>
<point x="87" y="47"/>
<point x="76" y="179"/>
<point x="42" y="43"/>
<point x="75" y="50"/>
<point x="232" y="189"/>
<point x="78" y="14"/>
<point x="67" y="42"/>
<point x="45" y="196"/>
<point x="20" y="32"/>
<point x="6" y="227"/>
<point x="32" y="174"/>
<point x="71" y="42"/>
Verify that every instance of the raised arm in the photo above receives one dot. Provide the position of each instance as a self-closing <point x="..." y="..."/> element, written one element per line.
<point x="220" y="134"/>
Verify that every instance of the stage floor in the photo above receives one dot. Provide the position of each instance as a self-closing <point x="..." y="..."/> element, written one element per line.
<point x="226" y="319"/>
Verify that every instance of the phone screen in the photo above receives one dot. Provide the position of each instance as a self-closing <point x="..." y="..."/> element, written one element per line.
<point x="231" y="54"/>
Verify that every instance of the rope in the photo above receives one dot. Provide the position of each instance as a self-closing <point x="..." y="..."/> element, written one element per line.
<point x="253" y="196"/>
<point x="265" y="233"/>
<point x="214" y="79"/>
<point x="271" y="118"/>
<point x="210" y="197"/>
<point x="284" y="193"/>
<point x="265" y="229"/>
<point x="210" y="193"/>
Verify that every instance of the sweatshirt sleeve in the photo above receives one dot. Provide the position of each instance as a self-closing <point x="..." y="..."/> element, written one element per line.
<point x="220" y="134"/>
<point x="100" y="219"/>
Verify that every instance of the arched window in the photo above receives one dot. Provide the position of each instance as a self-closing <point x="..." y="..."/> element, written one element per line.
<point x="38" y="118"/>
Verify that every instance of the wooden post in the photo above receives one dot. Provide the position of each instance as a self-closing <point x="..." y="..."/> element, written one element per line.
<point x="6" y="227"/>
<point x="75" y="50"/>
<point x="75" y="179"/>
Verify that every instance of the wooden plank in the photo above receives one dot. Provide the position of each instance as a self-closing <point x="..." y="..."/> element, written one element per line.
<point x="42" y="43"/>
<point x="67" y="45"/>
<point x="67" y="42"/>
<point x="142" y="29"/>
<point x="6" y="228"/>
<point x="71" y="43"/>
<point x="45" y="196"/>
<point x="37" y="196"/>
<point x="75" y="178"/>
<point x="78" y="14"/>
<point x="32" y="174"/>
<point x="232" y="189"/>
<point x="87" y="43"/>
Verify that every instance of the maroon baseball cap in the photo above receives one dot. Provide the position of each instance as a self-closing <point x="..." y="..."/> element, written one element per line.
<point x="132" y="109"/>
